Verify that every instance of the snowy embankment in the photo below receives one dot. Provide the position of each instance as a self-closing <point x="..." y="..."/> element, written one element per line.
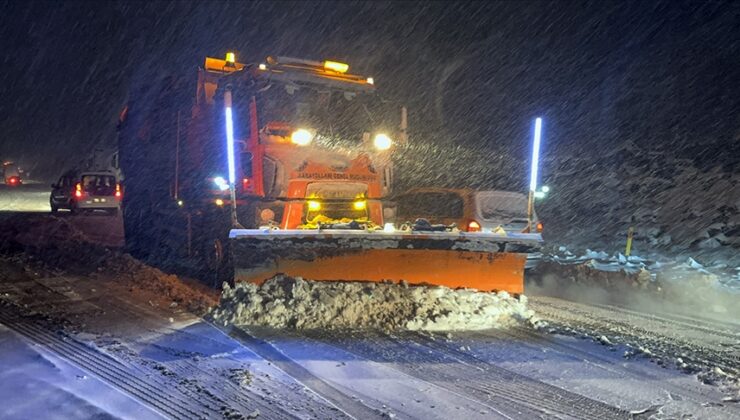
<point x="677" y="207"/>
<point x="674" y="285"/>
<point x="284" y="302"/>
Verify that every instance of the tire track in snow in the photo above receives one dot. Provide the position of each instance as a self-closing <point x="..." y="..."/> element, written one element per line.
<point x="191" y="379"/>
<point x="729" y="330"/>
<point x="566" y="402"/>
<point x="189" y="371"/>
<point x="698" y="346"/>
<point x="104" y="367"/>
<point x="270" y="353"/>
<point x="400" y="383"/>
<point x="505" y="391"/>
<point x="537" y="341"/>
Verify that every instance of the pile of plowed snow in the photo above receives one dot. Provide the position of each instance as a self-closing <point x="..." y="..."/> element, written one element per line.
<point x="128" y="269"/>
<point x="284" y="302"/>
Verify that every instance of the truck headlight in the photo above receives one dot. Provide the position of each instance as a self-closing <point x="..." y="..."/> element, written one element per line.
<point x="301" y="137"/>
<point x="359" y="205"/>
<point x="382" y="142"/>
<point x="313" y="205"/>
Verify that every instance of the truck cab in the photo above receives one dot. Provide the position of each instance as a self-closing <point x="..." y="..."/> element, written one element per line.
<point x="300" y="128"/>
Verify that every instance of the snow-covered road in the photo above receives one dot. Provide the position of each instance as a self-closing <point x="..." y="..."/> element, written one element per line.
<point x="36" y="383"/>
<point x="510" y="373"/>
<point x="693" y="343"/>
<point x="27" y="197"/>
<point x="168" y="362"/>
<point x="134" y="333"/>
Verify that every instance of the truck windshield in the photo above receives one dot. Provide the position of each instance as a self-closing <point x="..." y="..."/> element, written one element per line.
<point x="333" y="115"/>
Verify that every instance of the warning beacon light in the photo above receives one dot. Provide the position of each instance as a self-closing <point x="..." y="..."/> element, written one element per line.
<point x="336" y="66"/>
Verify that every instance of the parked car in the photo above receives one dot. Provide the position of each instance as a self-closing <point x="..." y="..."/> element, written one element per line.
<point x="470" y="210"/>
<point x="86" y="191"/>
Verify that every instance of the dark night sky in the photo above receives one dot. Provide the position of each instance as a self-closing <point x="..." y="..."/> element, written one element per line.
<point x="663" y="75"/>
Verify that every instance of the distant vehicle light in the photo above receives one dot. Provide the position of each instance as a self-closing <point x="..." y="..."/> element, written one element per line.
<point x="263" y="66"/>
<point x="473" y="226"/>
<point x="540" y="227"/>
<point x="382" y="142"/>
<point x="360" y="205"/>
<point x="301" y="137"/>
<point x="388" y="227"/>
<point x="370" y="81"/>
<point x="313" y="205"/>
<point x="230" y="57"/>
<point x="336" y="66"/>
<point x="219" y="202"/>
<point x="539" y="194"/>
<point x="180" y="203"/>
<point x="78" y="190"/>
<point x="221" y="183"/>
<point x="118" y="191"/>
<point x="545" y="189"/>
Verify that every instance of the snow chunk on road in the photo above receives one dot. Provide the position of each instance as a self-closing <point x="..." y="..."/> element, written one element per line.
<point x="284" y="302"/>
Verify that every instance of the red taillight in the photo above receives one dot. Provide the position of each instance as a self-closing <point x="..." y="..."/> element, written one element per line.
<point x="118" y="190"/>
<point x="13" y="180"/>
<point x="78" y="190"/>
<point x="245" y="183"/>
<point x="473" y="226"/>
<point x="539" y="227"/>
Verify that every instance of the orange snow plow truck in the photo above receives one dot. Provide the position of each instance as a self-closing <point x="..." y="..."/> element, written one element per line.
<point x="282" y="167"/>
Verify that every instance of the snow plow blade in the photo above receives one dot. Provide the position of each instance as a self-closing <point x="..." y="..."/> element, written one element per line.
<point x="487" y="262"/>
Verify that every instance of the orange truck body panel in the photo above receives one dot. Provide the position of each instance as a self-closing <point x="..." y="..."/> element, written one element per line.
<point x="483" y="271"/>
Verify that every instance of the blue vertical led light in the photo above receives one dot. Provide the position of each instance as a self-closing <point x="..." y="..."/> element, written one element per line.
<point x="230" y="144"/>
<point x="230" y="154"/>
<point x="535" y="154"/>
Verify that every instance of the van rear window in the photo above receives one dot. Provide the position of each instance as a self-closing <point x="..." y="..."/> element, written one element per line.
<point x="502" y="207"/>
<point x="99" y="184"/>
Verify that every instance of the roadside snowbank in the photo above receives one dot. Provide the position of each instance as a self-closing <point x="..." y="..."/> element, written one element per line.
<point x="284" y="302"/>
<point x="675" y="286"/>
<point x="128" y="269"/>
